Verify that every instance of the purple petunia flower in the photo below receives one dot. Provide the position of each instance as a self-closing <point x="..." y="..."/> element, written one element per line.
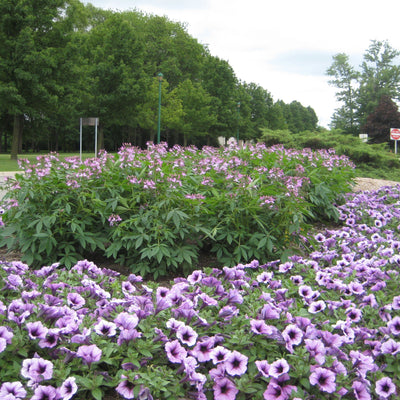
<point x="175" y="352"/>
<point x="259" y="327"/>
<point x="125" y="388"/>
<point x="390" y="347"/>
<point x="278" y="368"/>
<point x="324" y="378"/>
<point x="360" y="391"/>
<point x="228" y="312"/>
<point x="37" y="369"/>
<point x="126" y="320"/>
<point x="89" y="354"/>
<point x="316" y="307"/>
<point x="269" y="312"/>
<point x="219" y="354"/>
<point x="105" y="328"/>
<point x="236" y="363"/>
<point x="75" y="300"/>
<point x="36" y="330"/>
<point x="202" y="350"/>
<point x="316" y="349"/>
<point x="68" y="388"/>
<point x="362" y="363"/>
<point x="6" y="334"/>
<point x="51" y="338"/>
<point x="12" y="390"/>
<point x="292" y="336"/>
<point x="3" y="344"/>
<point x="195" y="277"/>
<point x="224" y="389"/>
<point x="187" y="335"/>
<point x="394" y="326"/>
<point x="385" y="387"/>
<point x="45" y="393"/>
<point x="263" y="367"/>
<point x="275" y="391"/>
<point x="127" y="335"/>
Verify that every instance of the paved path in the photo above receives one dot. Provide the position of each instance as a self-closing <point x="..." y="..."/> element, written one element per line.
<point x="3" y="176"/>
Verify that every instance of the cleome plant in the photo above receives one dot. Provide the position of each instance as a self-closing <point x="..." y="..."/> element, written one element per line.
<point x="155" y="210"/>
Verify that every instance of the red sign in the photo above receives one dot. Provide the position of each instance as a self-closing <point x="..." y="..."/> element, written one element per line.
<point x="394" y="133"/>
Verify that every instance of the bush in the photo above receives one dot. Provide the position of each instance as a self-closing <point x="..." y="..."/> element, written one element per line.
<point x="154" y="210"/>
<point x="372" y="160"/>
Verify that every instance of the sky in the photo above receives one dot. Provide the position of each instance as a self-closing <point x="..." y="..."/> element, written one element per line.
<point x="284" y="46"/>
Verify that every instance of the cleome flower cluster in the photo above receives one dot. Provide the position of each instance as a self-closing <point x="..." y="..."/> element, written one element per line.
<point x="156" y="210"/>
<point x="321" y="326"/>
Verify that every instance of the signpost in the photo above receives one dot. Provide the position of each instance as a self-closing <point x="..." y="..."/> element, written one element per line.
<point x="88" y="122"/>
<point x="395" y="135"/>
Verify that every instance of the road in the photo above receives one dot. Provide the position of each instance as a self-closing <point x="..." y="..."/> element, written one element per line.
<point x="3" y="176"/>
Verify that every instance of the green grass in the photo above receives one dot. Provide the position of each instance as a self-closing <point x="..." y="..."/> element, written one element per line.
<point x="6" y="164"/>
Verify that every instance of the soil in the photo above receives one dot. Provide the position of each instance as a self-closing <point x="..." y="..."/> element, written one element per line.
<point x="369" y="184"/>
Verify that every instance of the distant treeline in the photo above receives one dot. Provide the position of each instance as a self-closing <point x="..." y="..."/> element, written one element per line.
<point x="63" y="60"/>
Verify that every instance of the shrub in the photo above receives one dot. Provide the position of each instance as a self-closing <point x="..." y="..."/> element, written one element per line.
<point x="372" y="160"/>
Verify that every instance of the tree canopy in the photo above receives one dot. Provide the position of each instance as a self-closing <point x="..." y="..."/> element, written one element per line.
<point x="61" y="60"/>
<point x="360" y="91"/>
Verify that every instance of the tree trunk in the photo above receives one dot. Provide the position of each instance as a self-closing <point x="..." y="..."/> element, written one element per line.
<point x="16" y="144"/>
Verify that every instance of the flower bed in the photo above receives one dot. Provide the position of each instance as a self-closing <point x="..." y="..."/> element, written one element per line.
<point x="155" y="210"/>
<point x="325" y="326"/>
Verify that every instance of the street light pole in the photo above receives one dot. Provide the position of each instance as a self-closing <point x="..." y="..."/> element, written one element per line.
<point x="160" y="78"/>
<point x="238" y="115"/>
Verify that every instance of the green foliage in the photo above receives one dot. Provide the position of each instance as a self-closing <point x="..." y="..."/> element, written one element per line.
<point x="67" y="60"/>
<point x="372" y="160"/>
<point x="154" y="211"/>
<point x="360" y="91"/>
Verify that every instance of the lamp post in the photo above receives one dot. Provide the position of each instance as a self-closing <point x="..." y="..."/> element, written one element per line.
<point x="160" y="78"/>
<point x="238" y="115"/>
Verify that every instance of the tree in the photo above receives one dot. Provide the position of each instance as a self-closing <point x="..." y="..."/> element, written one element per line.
<point x="171" y="110"/>
<point x="385" y="116"/>
<point x="30" y="36"/>
<point x="297" y="117"/>
<point x="360" y="91"/>
<point x="345" y="78"/>
<point x="219" y="80"/>
<point x="379" y="77"/>
<point x="198" y="115"/>
<point x="259" y="102"/>
<point x="116" y="77"/>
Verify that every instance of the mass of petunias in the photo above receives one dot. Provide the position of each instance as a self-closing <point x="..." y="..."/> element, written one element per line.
<point x="324" y="324"/>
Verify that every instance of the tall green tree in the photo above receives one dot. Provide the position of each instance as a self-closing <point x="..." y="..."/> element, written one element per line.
<point x="379" y="76"/>
<point x="359" y="91"/>
<point x="345" y="79"/>
<point x="219" y="80"/>
<point x="198" y="115"/>
<point x="171" y="111"/>
<point x="116" y="78"/>
<point x="260" y="103"/>
<point x="30" y="39"/>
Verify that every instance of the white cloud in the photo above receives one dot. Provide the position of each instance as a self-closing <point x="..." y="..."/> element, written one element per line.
<point x="284" y="46"/>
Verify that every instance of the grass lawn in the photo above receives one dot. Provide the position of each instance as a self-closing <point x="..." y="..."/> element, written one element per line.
<point x="6" y="164"/>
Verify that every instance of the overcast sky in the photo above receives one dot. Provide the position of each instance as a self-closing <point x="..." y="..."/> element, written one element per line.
<point x="285" y="46"/>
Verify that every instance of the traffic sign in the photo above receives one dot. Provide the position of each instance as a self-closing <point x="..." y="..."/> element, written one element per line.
<point x="394" y="133"/>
